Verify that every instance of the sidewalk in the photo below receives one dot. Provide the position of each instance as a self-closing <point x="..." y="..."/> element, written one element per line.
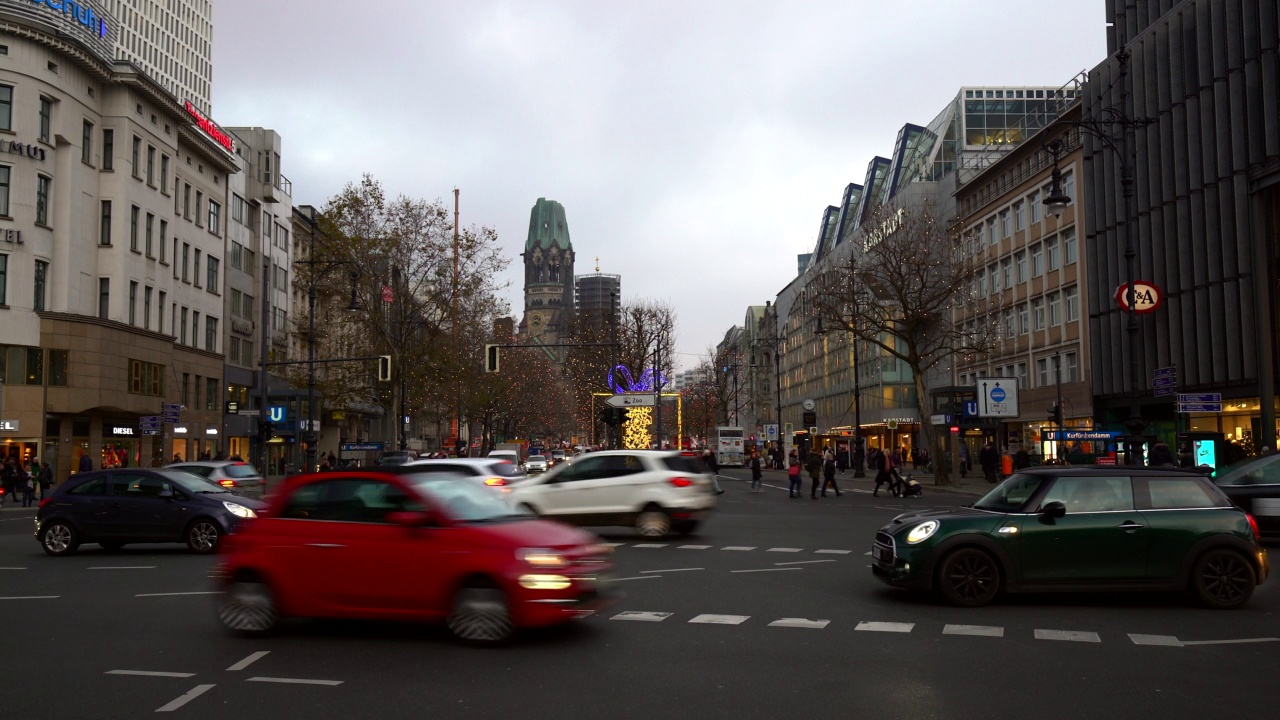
<point x="970" y="487"/>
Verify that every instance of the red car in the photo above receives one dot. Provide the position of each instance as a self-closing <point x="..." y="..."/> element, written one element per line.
<point x="404" y="543"/>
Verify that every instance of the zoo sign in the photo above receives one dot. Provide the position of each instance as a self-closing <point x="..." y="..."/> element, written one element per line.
<point x="1147" y="297"/>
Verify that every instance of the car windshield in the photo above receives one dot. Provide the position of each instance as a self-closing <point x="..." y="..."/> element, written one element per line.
<point x="685" y="464"/>
<point x="464" y="501"/>
<point x="192" y="483"/>
<point x="241" y="470"/>
<point x="505" y="468"/>
<point x="1012" y="494"/>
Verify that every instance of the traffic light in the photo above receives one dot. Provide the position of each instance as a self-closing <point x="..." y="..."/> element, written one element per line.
<point x="610" y="415"/>
<point x="490" y="358"/>
<point x="266" y="430"/>
<point x="1055" y="414"/>
<point x="384" y="368"/>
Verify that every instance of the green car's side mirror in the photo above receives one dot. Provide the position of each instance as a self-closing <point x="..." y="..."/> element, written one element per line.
<point x="1053" y="509"/>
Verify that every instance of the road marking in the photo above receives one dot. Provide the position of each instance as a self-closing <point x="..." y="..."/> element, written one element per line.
<point x="249" y="660"/>
<point x="799" y="623"/>
<point x="12" y="568"/>
<point x="867" y="553"/>
<point x="1161" y="640"/>
<point x="582" y="613"/>
<point x="804" y="562"/>
<point x="294" y="681"/>
<point x="693" y="547"/>
<point x="833" y="552"/>
<point x="671" y="570"/>
<point x="614" y="544"/>
<point x="1070" y="635"/>
<point x="27" y="518"/>
<point x="885" y="627"/>
<point x="775" y="569"/>
<point x="739" y="548"/>
<point x="1230" y="642"/>
<point x="124" y="567"/>
<point x="639" y="616"/>
<point x="150" y="673"/>
<point x="784" y="550"/>
<point x="32" y="597"/>
<point x="641" y="577"/>
<point x="650" y="545"/>
<point x="175" y="594"/>
<point x="181" y="700"/>
<point x="720" y="619"/>
<point x="979" y="630"/>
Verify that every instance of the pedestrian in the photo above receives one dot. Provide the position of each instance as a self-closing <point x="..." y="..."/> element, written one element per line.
<point x="813" y="464"/>
<point x="829" y="473"/>
<point x="46" y="478"/>
<point x="333" y="461"/>
<point x="28" y="482"/>
<point x="989" y="458"/>
<point x="882" y="465"/>
<point x="709" y="459"/>
<point x="757" y="477"/>
<point x="176" y="459"/>
<point x="915" y="459"/>
<point x="86" y="465"/>
<point x="1161" y="456"/>
<point x="8" y="481"/>
<point x="794" y="483"/>
<point x="1021" y="459"/>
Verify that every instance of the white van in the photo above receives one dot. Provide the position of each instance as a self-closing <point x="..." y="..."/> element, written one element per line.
<point x="509" y="455"/>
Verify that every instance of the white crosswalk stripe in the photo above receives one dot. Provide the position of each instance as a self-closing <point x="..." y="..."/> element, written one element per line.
<point x="1069" y="635"/>
<point x="1160" y="640"/>
<point x="832" y="552"/>
<point x="639" y="616"/>
<point x="720" y="619"/>
<point x="782" y="549"/>
<point x="693" y="547"/>
<point x="885" y="627"/>
<point x="800" y="623"/>
<point x="650" y="545"/>
<point x="980" y="630"/>
<point x="740" y="548"/>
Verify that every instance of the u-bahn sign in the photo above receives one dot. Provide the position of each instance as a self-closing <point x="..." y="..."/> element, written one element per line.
<point x="1147" y="297"/>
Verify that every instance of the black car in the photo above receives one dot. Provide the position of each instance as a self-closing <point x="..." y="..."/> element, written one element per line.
<point x="135" y="505"/>
<point x="1254" y="486"/>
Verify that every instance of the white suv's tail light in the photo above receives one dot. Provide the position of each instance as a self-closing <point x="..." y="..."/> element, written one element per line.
<point x="681" y="482"/>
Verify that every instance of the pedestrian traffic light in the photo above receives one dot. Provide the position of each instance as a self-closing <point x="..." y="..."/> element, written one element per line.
<point x="490" y="358"/>
<point x="1055" y="414"/>
<point x="266" y="430"/>
<point x="384" y="368"/>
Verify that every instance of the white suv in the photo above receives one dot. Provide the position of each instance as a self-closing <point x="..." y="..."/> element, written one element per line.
<point x="655" y="492"/>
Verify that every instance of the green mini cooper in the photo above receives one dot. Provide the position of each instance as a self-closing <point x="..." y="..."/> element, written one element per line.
<point x="1054" y="529"/>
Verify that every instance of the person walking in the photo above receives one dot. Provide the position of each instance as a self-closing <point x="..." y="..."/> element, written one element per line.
<point x="8" y="481"/>
<point x="813" y="463"/>
<point x="757" y="477"/>
<point x="794" y="483"/>
<point x="829" y="472"/>
<point x="709" y="459"/>
<point x="46" y="478"/>
<point x="1021" y="459"/>
<point x="989" y="458"/>
<point x="1161" y="456"/>
<point x="880" y="463"/>
<point x="28" y="482"/>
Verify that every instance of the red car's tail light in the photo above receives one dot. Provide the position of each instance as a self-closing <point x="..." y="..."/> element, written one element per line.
<point x="227" y="483"/>
<point x="681" y="481"/>
<point x="495" y="482"/>
<point x="1252" y="524"/>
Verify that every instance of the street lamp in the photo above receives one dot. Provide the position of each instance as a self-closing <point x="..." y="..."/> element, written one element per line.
<point x="1115" y="132"/>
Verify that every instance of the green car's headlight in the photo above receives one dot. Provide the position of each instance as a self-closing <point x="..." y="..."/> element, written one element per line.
<point x="922" y="532"/>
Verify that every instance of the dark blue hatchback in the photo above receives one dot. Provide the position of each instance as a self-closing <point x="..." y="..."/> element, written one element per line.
<point x="139" y="505"/>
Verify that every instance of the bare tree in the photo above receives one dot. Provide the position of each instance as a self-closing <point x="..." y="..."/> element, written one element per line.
<point x="900" y="292"/>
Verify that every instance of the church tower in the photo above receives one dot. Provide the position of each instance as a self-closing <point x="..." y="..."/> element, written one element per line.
<point x="548" y="275"/>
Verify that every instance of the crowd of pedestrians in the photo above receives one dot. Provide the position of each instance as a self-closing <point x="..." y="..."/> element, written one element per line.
<point x="24" y="478"/>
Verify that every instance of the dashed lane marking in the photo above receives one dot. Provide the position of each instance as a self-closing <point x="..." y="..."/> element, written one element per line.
<point x="123" y="567"/>
<point x="31" y="597"/>
<point x="294" y="681"/>
<point x="720" y="619"/>
<point x="1068" y="635"/>
<point x="615" y="544"/>
<point x="885" y="627"/>
<point x="978" y="630"/>
<point x="833" y="552"/>
<point x="800" y="623"/>
<point x="773" y="569"/>
<point x="650" y="545"/>
<point x="738" y="548"/>
<point x="150" y="673"/>
<point x="12" y="568"/>
<point x="177" y="594"/>
<point x="185" y="698"/>
<point x="640" y="577"/>
<point x="640" y="616"/>
<point x="804" y="562"/>
<point x="645" y="572"/>
<point x="782" y="549"/>
<point x="693" y="547"/>
<point x="249" y="660"/>
<point x="1159" y="640"/>
<point x="1230" y="642"/>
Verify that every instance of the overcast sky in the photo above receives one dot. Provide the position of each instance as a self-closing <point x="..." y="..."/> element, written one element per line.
<point x="694" y="145"/>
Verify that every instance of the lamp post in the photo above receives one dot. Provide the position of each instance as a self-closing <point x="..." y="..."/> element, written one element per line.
<point x="1115" y="132"/>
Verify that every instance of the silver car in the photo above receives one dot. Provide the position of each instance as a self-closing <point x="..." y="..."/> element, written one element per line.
<point x="234" y="475"/>
<point x="497" y="473"/>
<point x="535" y="464"/>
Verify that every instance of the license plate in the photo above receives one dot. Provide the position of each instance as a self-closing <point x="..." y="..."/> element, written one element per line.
<point x="882" y="555"/>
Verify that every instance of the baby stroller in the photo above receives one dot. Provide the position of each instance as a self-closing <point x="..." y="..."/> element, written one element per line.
<point x="911" y="488"/>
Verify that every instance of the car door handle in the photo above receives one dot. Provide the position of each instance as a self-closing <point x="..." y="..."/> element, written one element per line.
<point x="1131" y="525"/>
<point x="325" y="545"/>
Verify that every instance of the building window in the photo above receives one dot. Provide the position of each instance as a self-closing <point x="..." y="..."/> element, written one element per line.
<point x="1022" y="374"/>
<point x="186" y="258"/>
<point x="1019" y="215"/>
<point x="4" y="190"/>
<point x="182" y="338"/>
<point x="151" y="221"/>
<point x="195" y="269"/>
<point x="1069" y="250"/>
<point x="211" y="334"/>
<point x="1069" y="185"/>
<point x="1006" y="270"/>
<point x="6" y="107"/>
<point x="1036" y="209"/>
<point x="1037" y="261"/>
<point x="104" y="231"/>
<point x="211" y="393"/>
<point x="59" y="362"/>
<point x="237" y="209"/>
<point x="991" y="232"/>
<point x="46" y="118"/>
<point x="233" y="349"/>
<point x="160" y="312"/>
<point x="164" y="174"/>
<point x="195" y="328"/>
<point x="137" y="157"/>
<point x="199" y="204"/>
<point x="994" y="273"/>
<point x="133" y="227"/>
<point x="104" y="297"/>
<point x="1005" y="228"/>
<point x="237" y="255"/>
<point x="982" y="283"/>
<point x="133" y="302"/>
<point x="42" y="277"/>
<point x="1051" y="253"/>
<point x="108" y="147"/>
<point x="151" y="165"/>
<point x="1024" y="319"/>
<point x="1055" y="309"/>
<point x="1072" y="296"/>
<point x="164" y="238"/>
<point x="4" y="279"/>
<point x="211" y="281"/>
<point x="185" y="394"/>
<point x="215" y="217"/>
<point x="146" y="308"/>
<point x="186" y="201"/>
<point x="1070" y="369"/>
<point x="86" y="143"/>
<point x="1042" y="372"/>
<point x="43" y="186"/>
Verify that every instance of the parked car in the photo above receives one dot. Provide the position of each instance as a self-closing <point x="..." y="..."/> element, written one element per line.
<point x="397" y="457"/>
<point x="139" y="505"/>
<point x="1254" y="486"/>
<point x="1059" y="528"/>
<point x="406" y="544"/>
<point x="234" y="475"/>
<point x="536" y="464"/>
<point x="655" y="492"/>
<point x="491" y="472"/>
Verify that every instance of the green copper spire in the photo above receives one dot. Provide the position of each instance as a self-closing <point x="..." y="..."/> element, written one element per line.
<point x="547" y="226"/>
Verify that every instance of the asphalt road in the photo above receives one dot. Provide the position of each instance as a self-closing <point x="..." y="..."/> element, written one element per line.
<point x="770" y="612"/>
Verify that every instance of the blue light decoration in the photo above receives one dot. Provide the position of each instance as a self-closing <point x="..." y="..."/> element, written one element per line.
<point x="644" y="384"/>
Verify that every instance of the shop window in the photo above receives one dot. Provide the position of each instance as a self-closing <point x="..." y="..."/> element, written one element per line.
<point x="59" y="366"/>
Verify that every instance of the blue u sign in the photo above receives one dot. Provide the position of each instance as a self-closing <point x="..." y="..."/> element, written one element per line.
<point x="275" y="413"/>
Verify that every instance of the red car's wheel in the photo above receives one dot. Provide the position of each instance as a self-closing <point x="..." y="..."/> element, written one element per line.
<point x="480" y="615"/>
<point x="248" y="607"/>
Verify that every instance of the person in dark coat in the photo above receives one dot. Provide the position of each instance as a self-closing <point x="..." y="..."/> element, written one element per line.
<point x="813" y="463"/>
<point x="1021" y="459"/>
<point x="1160" y="456"/>
<point x="829" y="473"/>
<point x="709" y="459"/>
<point x="878" y="461"/>
<point x="989" y="458"/>
<point x="757" y="477"/>
<point x="86" y="465"/>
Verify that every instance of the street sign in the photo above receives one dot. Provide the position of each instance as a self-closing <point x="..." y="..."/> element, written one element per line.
<point x="1164" y="381"/>
<point x="1147" y="297"/>
<point x="971" y="409"/>
<point x="1200" y="397"/>
<point x="939" y="419"/>
<point x="626" y="401"/>
<point x="1205" y="407"/>
<point x="233" y="407"/>
<point x="997" y="397"/>
<point x="249" y="413"/>
<point x="1165" y="391"/>
<point x="1170" y="371"/>
<point x="170" y="412"/>
<point x="1083" y="435"/>
<point x="150" y="424"/>
<point x="813" y="431"/>
<point x="810" y="418"/>
<point x="356" y="447"/>
<point x="771" y="431"/>
<point x="893" y="424"/>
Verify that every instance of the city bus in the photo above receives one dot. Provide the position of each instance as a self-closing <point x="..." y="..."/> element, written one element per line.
<point x="729" y="446"/>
